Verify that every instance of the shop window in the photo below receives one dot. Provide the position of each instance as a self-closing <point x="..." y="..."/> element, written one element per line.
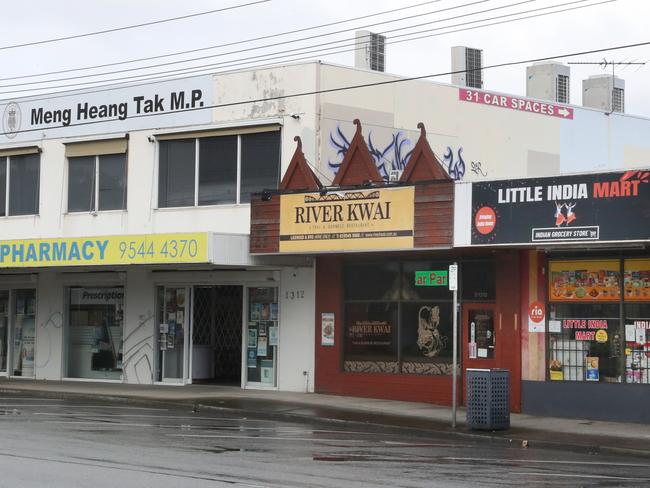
<point x="395" y="324"/>
<point x="587" y="339"/>
<point x="95" y="317"/>
<point x="97" y="175"/>
<point x="24" y="333"/>
<point x="217" y="169"/>
<point x="19" y="184"/>
<point x="262" y="336"/>
<point x="585" y="342"/>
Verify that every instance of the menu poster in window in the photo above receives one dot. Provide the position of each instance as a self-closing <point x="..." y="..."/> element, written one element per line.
<point x="274" y="311"/>
<point x="584" y="281"/>
<point x="262" y="329"/>
<point x="327" y="329"/>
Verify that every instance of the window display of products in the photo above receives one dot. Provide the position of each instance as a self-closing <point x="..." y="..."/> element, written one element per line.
<point x="95" y="333"/>
<point x="597" y="322"/>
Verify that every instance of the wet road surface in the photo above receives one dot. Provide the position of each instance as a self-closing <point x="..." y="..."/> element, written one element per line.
<point x="75" y="443"/>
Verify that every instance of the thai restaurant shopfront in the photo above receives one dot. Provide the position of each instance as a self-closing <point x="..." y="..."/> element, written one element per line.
<point x="384" y="312"/>
<point x="585" y="280"/>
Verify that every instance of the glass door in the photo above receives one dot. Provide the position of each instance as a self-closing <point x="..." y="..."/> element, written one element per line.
<point x="4" y="330"/>
<point x="173" y="330"/>
<point x="262" y="336"/>
<point x="24" y="330"/>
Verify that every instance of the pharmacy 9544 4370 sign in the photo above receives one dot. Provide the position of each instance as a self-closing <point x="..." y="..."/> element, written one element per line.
<point x="105" y="250"/>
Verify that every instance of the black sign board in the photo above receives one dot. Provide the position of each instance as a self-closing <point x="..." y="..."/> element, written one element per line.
<point x="580" y="208"/>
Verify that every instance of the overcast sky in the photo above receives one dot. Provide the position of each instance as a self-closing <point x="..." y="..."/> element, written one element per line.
<point x="600" y="26"/>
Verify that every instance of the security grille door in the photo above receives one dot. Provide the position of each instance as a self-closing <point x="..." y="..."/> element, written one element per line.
<point x="217" y="332"/>
<point x="228" y="330"/>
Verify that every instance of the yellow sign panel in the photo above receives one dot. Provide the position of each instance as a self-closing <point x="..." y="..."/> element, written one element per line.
<point x="347" y="220"/>
<point x="103" y="250"/>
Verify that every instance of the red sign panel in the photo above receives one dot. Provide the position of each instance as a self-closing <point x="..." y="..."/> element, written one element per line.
<point x="515" y="103"/>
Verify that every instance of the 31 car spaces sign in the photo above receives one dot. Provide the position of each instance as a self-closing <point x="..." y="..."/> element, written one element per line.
<point x="347" y="220"/>
<point x="119" y="109"/>
<point x="581" y="208"/>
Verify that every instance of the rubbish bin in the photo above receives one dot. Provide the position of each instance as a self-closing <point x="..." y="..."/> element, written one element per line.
<point x="488" y="399"/>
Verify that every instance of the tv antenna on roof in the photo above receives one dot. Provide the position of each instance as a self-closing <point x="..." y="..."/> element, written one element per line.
<point x="605" y="63"/>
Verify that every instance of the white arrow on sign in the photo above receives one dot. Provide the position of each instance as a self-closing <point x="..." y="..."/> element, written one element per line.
<point x="563" y="112"/>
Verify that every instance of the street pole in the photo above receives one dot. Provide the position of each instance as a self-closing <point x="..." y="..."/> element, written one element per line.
<point x="453" y="285"/>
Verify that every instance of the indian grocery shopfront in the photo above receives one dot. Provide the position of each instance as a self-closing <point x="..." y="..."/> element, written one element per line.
<point x="585" y="286"/>
<point x="168" y="308"/>
<point x="383" y="321"/>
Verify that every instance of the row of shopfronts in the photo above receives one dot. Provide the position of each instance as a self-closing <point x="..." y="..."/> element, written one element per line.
<point x="178" y="254"/>
<point x="554" y="282"/>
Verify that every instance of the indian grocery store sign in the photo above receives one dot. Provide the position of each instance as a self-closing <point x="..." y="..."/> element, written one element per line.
<point x="347" y="220"/>
<point x="117" y="110"/>
<point x="105" y="250"/>
<point x="431" y="278"/>
<point x="602" y="207"/>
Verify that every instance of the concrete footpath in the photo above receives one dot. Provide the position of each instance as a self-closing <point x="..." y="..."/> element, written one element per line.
<point x="418" y="418"/>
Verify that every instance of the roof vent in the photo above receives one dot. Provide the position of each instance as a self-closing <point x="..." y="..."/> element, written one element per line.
<point x="370" y="51"/>
<point x="467" y="66"/>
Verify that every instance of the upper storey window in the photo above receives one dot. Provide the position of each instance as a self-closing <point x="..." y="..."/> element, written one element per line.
<point x="217" y="167"/>
<point x="19" y="181"/>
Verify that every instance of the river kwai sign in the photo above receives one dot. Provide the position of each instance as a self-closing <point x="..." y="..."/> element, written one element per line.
<point x="380" y="218"/>
<point x="594" y="207"/>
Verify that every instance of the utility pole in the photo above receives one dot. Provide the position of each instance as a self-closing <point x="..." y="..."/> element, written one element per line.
<point x="604" y="64"/>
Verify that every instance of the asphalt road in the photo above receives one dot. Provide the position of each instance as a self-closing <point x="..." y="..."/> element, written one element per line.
<point x="64" y="443"/>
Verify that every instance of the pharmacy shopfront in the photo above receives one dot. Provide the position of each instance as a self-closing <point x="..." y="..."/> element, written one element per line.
<point x="585" y="283"/>
<point x="147" y="309"/>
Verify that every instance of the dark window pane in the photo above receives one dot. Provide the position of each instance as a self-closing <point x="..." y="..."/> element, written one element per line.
<point x="3" y="186"/>
<point x="81" y="184"/>
<point x="260" y="163"/>
<point x="478" y="280"/>
<point x="176" y="173"/>
<point x="426" y="331"/>
<point x="218" y="170"/>
<point x="24" y="174"/>
<point x="372" y="281"/>
<point x="112" y="182"/>
<point x="371" y="331"/>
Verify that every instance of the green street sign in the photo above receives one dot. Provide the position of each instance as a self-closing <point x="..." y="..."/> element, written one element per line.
<point x="431" y="278"/>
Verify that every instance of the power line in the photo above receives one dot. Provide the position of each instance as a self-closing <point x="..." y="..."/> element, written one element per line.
<point x="178" y="53"/>
<point x="134" y="26"/>
<point x="285" y="53"/>
<point x="359" y="86"/>
<point x="200" y="69"/>
<point x="143" y="81"/>
<point x="239" y="51"/>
